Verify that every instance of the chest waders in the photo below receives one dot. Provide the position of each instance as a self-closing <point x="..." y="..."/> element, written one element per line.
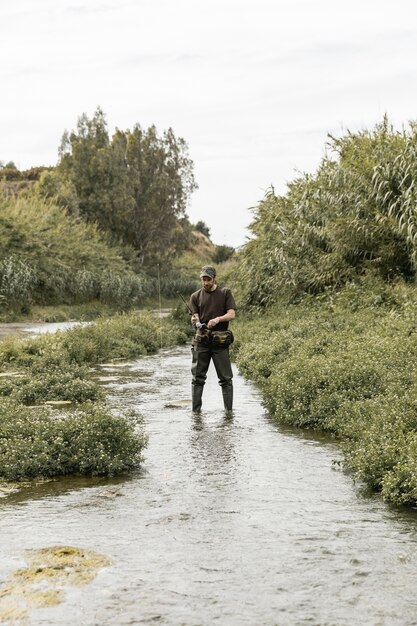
<point x="202" y="355"/>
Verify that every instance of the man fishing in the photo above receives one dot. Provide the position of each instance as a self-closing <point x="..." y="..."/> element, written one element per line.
<point x="212" y="308"/>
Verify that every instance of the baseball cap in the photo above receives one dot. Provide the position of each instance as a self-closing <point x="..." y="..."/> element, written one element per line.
<point x="208" y="270"/>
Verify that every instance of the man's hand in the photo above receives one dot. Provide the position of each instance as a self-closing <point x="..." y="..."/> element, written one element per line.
<point x="213" y="322"/>
<point x="195" y="318"/>
<point x="227" y="317"/>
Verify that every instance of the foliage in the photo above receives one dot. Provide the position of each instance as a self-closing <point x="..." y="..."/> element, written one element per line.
<point x="10" y="172"/>
<point x="59" y="381"/>
<point x="47" y="257"/>
<point x="355" y="215"/>
<point x="89" y="440"/>
<point x="223" y="253"/>
<point x="134" y="185"/>
<point x="202" y="227"/>
<point x="344" y="363"/>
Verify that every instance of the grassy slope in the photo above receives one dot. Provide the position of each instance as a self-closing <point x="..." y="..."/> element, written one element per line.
<point x="45" y="235"/>
<point x="56" y="267"/>
<point x="200" y="253"/>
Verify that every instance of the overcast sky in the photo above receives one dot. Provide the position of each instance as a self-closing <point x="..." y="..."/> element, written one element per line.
<point x="254" y="86"/>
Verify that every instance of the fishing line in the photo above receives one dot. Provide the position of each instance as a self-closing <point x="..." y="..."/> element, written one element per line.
<point x="160" y="311"/>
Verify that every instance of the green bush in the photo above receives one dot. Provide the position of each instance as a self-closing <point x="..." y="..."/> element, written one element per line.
<point x="91" y="441"/>
<point x="72" y="385"/>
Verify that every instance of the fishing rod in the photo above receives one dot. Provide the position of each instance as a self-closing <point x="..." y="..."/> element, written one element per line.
<point x="197" y="324"/>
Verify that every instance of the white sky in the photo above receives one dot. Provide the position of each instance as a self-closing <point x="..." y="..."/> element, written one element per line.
<point x="254" y="86"/>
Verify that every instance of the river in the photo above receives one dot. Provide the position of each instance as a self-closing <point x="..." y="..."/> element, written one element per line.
<point x="233" y="521"/>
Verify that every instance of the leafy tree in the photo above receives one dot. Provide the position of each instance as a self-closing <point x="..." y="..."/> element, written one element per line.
<point x="84" y="161"/>
<point x="162" y="177"/>
<point x="135" y="185"/>
<point x="223" y="253"/>
<point x="202" y="227"/>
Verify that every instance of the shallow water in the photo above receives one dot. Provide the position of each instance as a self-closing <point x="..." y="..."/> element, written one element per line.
<point x="35" y="328"/>
<point x="232" y="522"/>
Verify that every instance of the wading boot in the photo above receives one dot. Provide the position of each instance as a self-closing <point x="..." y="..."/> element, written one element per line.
<point x="228" y="398"/>
<point x="196" y="395"/>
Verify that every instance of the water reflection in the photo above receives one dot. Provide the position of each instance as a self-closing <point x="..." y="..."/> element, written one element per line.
<point x="212" y="445"/>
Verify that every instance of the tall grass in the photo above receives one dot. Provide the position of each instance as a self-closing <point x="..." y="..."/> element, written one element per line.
<point x="48" y="257"/>
<point x="356" y="214"/>
<point x="17" y="282"/>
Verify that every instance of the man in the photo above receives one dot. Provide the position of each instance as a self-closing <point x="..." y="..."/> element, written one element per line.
<point x="213" y="307"/>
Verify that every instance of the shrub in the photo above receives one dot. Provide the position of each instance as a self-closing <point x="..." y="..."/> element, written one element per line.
<point x="91" y="440"/>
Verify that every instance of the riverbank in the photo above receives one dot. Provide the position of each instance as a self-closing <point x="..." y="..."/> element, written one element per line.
<point x="344" y="364"/>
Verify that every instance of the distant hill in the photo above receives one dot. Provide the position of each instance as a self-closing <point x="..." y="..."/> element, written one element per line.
<point x="201" y="252"/>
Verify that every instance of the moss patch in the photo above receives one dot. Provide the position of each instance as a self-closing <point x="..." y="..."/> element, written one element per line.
<point x="42" y="584"/>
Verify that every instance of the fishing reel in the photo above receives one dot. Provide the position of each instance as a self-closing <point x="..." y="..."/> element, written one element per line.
<point x="200" y="326"/>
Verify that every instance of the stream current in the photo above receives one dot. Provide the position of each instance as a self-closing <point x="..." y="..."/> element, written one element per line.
<point x="232" y="521"/>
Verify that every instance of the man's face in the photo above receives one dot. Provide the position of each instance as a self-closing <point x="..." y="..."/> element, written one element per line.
<point x="207" y="282"/>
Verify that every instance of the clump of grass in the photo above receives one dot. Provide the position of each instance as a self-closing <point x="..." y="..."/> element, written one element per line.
<point x="71" y="384"/>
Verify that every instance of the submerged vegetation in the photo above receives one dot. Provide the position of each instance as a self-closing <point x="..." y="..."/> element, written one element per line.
<point x="329" y="278"/>
<point x="42" y="583"/>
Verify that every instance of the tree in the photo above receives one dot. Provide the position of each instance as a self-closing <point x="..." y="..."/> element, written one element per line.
<point x="162" y="177"/>
<point x="223" y="253"/>
<point x="84" y="162"/>
<point x="202" y="227"/>
<point x="135" y="185"/>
